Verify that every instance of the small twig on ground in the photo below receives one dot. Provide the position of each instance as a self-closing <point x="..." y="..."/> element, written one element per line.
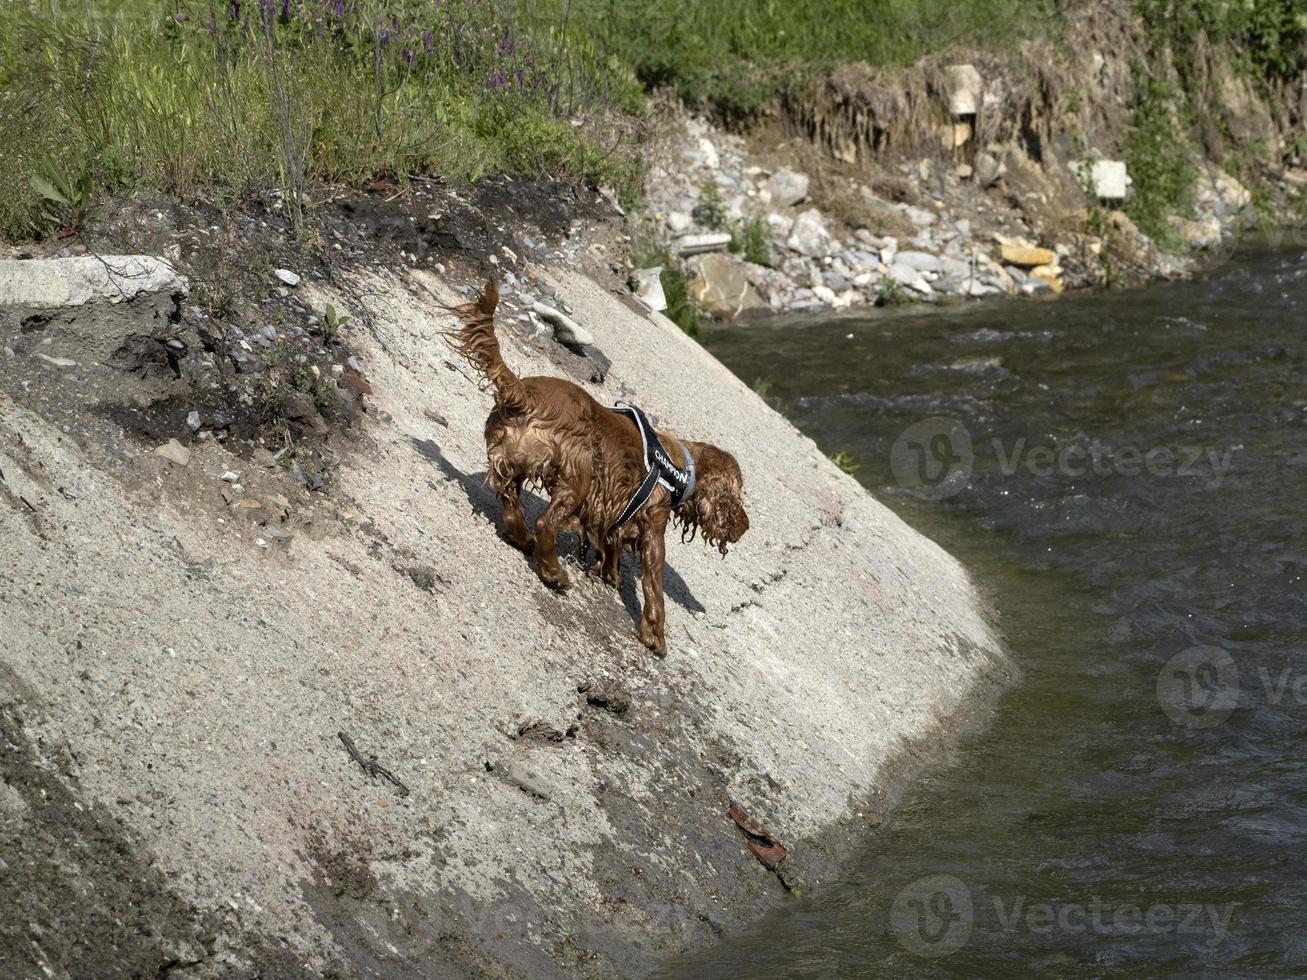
<point x="370" y="765"/>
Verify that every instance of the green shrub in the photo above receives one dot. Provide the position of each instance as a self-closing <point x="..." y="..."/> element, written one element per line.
<point x="891" y="292"/>
<point x="845" y="462"/>
<point x="752" y="240"/>
<point x="1157" y="152"/>
<point x="709" y="210"/>
<point x="681" y="307"/>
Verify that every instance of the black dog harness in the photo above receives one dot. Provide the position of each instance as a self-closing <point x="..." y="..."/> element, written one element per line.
<point x="658" y="467"/>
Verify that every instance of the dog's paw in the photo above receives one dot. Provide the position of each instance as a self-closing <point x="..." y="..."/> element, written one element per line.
<point x="558" y="579"/>
<point x="650" y="638"/>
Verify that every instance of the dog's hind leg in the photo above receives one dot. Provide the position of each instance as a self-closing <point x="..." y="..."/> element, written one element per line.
<point x="505" y="476"/>
<point x="514" y="517"/>
<point x="609" y="564"/>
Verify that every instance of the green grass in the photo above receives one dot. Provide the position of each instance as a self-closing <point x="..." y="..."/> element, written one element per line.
<point x="181" y="98"/>
<point x="737" y="54"/>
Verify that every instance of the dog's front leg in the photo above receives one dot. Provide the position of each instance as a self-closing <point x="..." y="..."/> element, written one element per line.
<point x="561" y="507"/>
<point x="653" y="548"/>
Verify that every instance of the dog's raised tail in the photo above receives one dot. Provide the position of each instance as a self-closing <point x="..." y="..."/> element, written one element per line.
<point x="477" y="342"/>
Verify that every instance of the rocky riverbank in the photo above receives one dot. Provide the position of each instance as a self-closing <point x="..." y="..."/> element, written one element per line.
<point x="951" y="234"/>
<point x="1002" y="175"/>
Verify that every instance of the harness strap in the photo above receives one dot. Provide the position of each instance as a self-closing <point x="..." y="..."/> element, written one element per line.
<point x="658" y="466"/>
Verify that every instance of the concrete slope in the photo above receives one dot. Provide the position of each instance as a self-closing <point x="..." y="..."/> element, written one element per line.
<point x="184" y="676"/>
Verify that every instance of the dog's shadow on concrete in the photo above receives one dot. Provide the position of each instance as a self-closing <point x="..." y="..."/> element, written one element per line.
<point x="486" y="504"/>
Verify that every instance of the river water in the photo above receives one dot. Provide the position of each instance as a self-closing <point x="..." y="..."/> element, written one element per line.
<point x="1125" y="472"/>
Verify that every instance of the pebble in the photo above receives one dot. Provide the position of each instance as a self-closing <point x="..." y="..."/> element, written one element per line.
<point x="285" y="275"/>
<point x="193" y="420"/>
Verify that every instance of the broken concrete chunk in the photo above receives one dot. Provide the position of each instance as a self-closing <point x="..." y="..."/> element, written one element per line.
<point x="566" y="330"/>
<point x="53" y="283"/>
<point x="695" y="244"/>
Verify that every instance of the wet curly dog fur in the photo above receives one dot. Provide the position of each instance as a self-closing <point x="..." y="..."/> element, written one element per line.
<point x="550" y="433"/>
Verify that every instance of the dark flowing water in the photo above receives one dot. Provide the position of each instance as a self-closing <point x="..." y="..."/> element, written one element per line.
<point x="1125" y="473"/>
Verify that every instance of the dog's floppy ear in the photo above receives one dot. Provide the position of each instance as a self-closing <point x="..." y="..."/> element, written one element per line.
<point x="489" y="298"/>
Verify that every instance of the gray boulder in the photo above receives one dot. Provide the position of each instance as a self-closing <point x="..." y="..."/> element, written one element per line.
<point x="786" y="188"/>
<point x="921" y="261"/>
<point x="808" y="235"/>
<point x="721" y="286"/>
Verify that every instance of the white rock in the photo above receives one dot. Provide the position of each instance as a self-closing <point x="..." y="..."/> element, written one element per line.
<point x="989" y="169"/>
<point x="1231" y="191"/>
<point x="47" y="283"/>
<point x="678" y="221"/>
<point x="193" y="420"/>
<point x="966" y="89"/>
<point x="808" y="235"/>
<point x="695" y="244"/>
<point x="1108" y="180"/>
<point x="649" y="287"/>
<point x="921" y="261"/>
<point x="919" y="216"/>
<point x="288" y="277"/>
<point x="785" y="188"/>
<point x="825" y="294"/>
<point x="910" y="277"/>
<point x="709" y="153"/>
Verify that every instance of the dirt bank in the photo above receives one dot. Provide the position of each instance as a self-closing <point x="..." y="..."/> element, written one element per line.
<point x="186" y="634"/>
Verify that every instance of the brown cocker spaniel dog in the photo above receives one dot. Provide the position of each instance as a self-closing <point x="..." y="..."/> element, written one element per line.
<point x="550" y="433"/>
